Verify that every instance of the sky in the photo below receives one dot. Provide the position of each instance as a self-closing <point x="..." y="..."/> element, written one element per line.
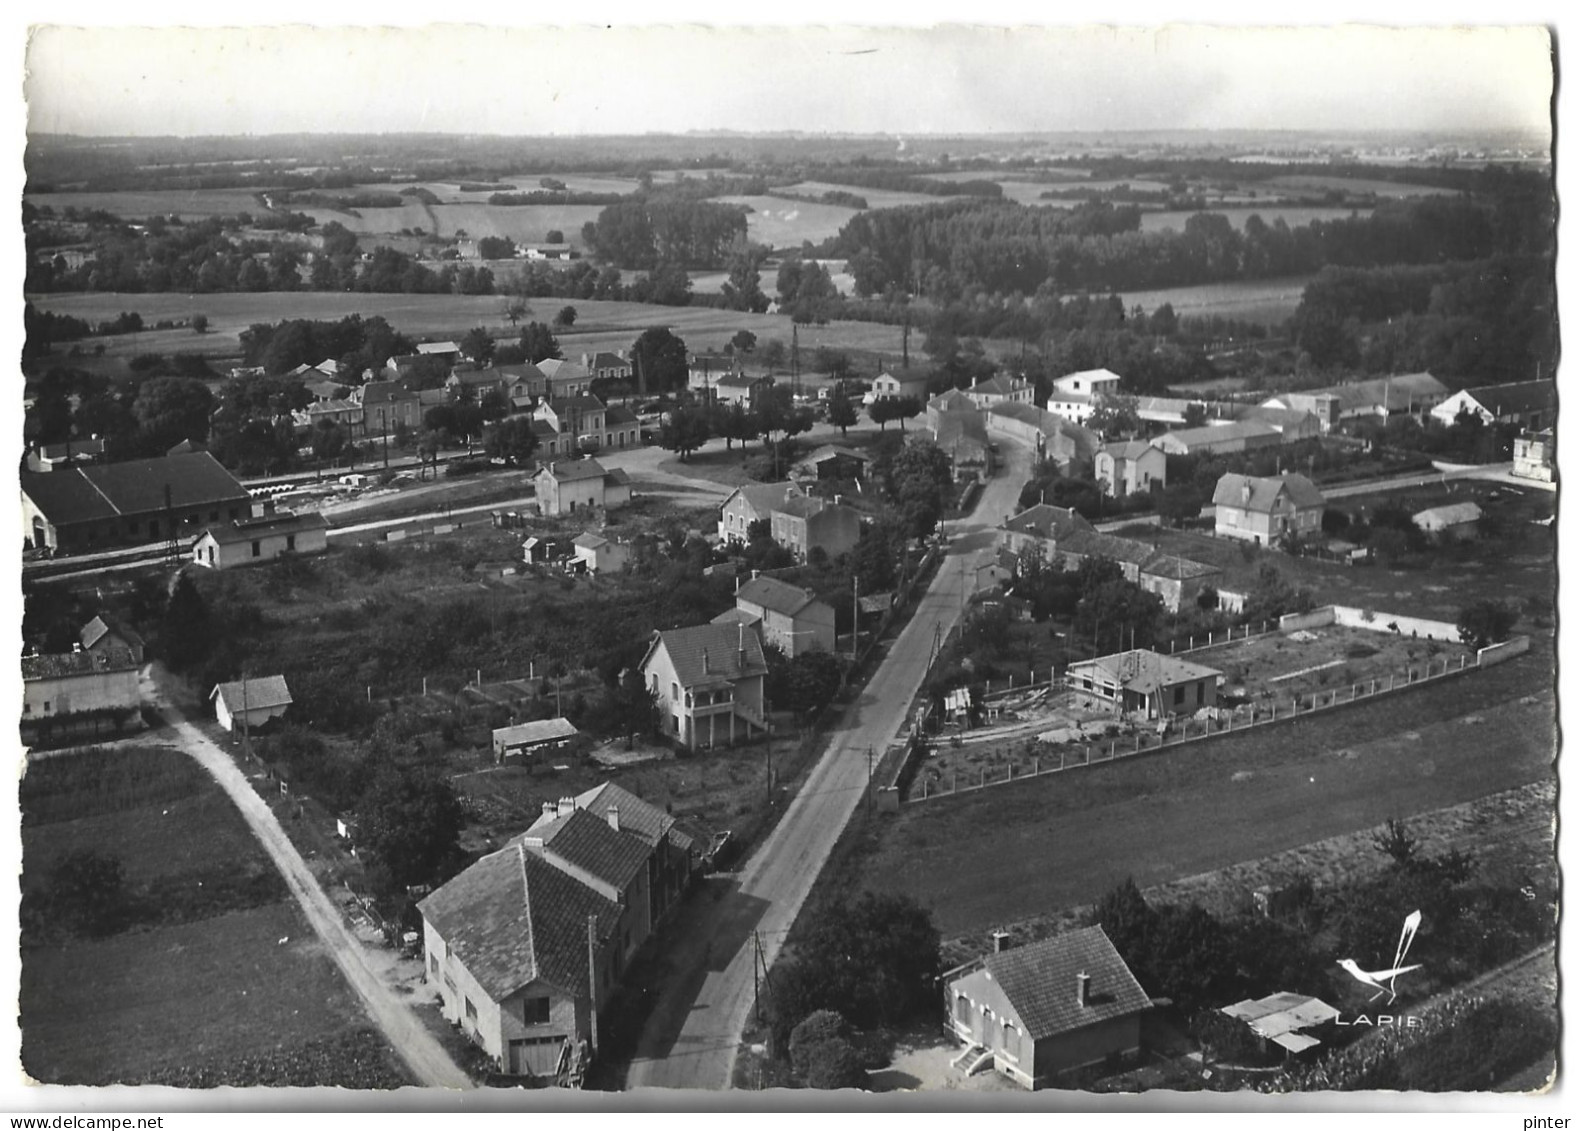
<point x="927" y="79"/>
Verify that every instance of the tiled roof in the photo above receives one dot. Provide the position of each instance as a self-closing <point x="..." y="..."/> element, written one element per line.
<point x="385" y="392"/>
<point x="56" y="664"/>
<point x="618" y="414"/>
<point x="264" y="691"/>
<point x="617" y="477"/>
<point x="1090" y="375"/>
<point x="1045" y="521"/>
<point x="764" y="498"/>
<point x="437" y="347"/>
<point x="571" y="470"/>
<point x="65" y="496"/>
<point x="1142" y="670"/>
<point x="513" y="919"/>
<point x="138" y="486"/>
<point x="1521" y="396"/>
<point x="543" y="730"/>
<point x="587" y="841"/>
<point x="737" y="616"/>
<point x="1265" y="491"/>
<point x="831" y="451"/>
<point x="1129" y="449"/>
<point x="477" y="377"/>
<point x="999" y="385"/>
<point x="801" y="506"/>
<point x="281" y="522"/>
<point x="961" y="427"/>
<point x="1168" y="565"/>
<point x="1279" y="418"/>
<point x="586" y="402"/>
<point x="76" y="449"/>
<point x="97" y="628"/>
<point x="606" y="360"/>
<point x="721" y="644"/>
<point x="952" y="400"/>
<point x="639" y="817"/>
<point x="771" y="593"/>
<point x="1040" y="982"/>
<point x="1225" y="432"/>
<point x="1095" y="544"/>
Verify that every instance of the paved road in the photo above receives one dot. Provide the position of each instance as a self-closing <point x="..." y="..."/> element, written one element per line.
<point x="1492" y="472"/>
<point x="430" y="1065"/>
<point x="705" y="1004"/>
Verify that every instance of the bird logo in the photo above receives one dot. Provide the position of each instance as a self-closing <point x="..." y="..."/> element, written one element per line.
<point x="1383" y="980"/>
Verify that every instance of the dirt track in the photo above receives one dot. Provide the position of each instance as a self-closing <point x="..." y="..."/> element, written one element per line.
<point x="430" y="1065"/>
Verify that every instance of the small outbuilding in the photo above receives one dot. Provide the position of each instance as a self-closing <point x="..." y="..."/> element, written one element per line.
<point x="255" y="540"/>
<point x="532" y="738"/>
<point x="1455" y="522"/>
<point x="250" y="702"/>
<point x="1143" y="681"/>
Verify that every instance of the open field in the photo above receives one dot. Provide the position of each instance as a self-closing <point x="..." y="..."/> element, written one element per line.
<point x="1269" y="301"/>
<point x="600" y="325"/>
<point x="186" y="203"/>
<point x="1314" y="182"/>
<point x="875" y="197"/>
<point x="219" y="980"/>
<point x="781" y="223"/>
<point x="1065" y="839"/>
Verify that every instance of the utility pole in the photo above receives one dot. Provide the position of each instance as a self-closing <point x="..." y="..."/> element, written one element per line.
<point x="592" y="979"/>
<point x="869" y="781"/>
<point x="768" y="748"/>
<point x="757" y="957"/>
<point x="855" y="616"/>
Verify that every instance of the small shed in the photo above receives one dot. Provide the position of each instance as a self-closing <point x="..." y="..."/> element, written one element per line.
<point x="251" y="702"/>
<point x="1456" y="522"/>
<point x="532" y="738"/>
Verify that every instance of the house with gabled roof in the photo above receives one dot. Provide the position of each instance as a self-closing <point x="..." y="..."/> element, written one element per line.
<point x="388" y="405"/>
<point x="251" y="702"/>
<point x="708" y="683"/>
<point x="526" y="946"/>
<point x="963" y="435"/>
<point x="104" y="634"/>
<point x="1075" y="396"/>
<point x="749" y="503"/>
<point x="600" y="554"/>
<point x="606" y="366"/>
<point x="897" y="383"/>
<point x="1530" y="405"/>
<point x="1000" y="389"/>
<point x="522" y="956"/>
<point x="1041" y="528"/>
<point x="1129" y="468"/>
<point x="950" y="400"/>
<point x="790" y="618"/>
<point x="1045" y="1010"/>
<point x="1453" y="522"/>
<point x="565" y="378"/>
<point x="84" y="691"/>
<point x="570" y="485"/>
<point x="808" y="524"/>
<point x="253" y="541"/>
<point x="1266" y="509"/>
<point x="1180" y="582"/>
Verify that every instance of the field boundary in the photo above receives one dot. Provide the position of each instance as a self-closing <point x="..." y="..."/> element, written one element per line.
<point x="1141" y="744"/>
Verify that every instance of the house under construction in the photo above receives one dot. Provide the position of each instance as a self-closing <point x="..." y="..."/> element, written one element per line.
<point x="1144" y="683"/>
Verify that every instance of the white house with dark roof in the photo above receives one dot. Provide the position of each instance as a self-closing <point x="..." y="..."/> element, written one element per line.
<point x="1000" y="389"/>
<point x="572" y="485"/>
<point x="1266" y="509"/>
<point x="708" y="683"/>
<point x="254" y="541"/>
<point x="1531" y="405"/>
<point x="250" y="702"/>
<point x="85" y="690"/>
<point x="786" y="616"/>
<point x="605" y="366"/>
<point x="1042" y="1011"/>
<point x="752" y="502"/>
<point x="600" y="554"/>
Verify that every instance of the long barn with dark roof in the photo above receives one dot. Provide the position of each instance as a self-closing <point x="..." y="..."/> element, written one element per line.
<point x="97" y="507"/>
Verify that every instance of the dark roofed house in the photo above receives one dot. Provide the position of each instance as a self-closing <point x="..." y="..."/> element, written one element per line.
<point x="526" y="945"/>
<point x="1041" y="527"/>
<point x="1043" y="1011"/>
<point x="1265" y="509"/>
<point x="102" y="634"/>
<point x="570" y="485"/>
<point x="708" y="681"/>
<point x="252" y="702"/>
<point x="88" y="691"/>
<point x="1531" y="405"/>
<point x="786" y="615"/>
<point x="134" y="501"/>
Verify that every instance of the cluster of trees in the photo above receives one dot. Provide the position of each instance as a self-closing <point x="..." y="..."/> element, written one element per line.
<point x="899" y="179"/>
<point x="872" y="960"/>
<point x="1095" y="599"/>
<point x="646" y="234"/>
<point x="356" y="343"/>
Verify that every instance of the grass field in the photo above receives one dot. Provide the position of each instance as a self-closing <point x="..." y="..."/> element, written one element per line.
<point x="600" y="325"/>
<point x="875" y="197"/>
<point x="1268" y="301"/>
<point x="220" y="989"/>
<point x="194" y="203"/>
<point x="781" y="223"/>
<point x="1309" y="182"/>
<point x="1065" y="839"/>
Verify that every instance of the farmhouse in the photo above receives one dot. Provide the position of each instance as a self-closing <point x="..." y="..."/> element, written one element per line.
<point x="565" y="378"/>
<point x="566" y="486"/>
<point x="82" y="691"/>
<point x="1411" y="393"/>
<point x="1180" y="582"/>
<point x="754" y="502"/>
<point x="739" y="389"/>
<point x="1040" y="528"/>
<point x="807" y="524"/>
<point x="1129" y="468"/>
<point x="1455" y="522"/>
<point x="704" y="370"/>
<point x="1048" y="1009"/>
<point x="388" y="405"/>
<point x="963" y="435"/>
<point x="1264" y="509"/>
<point x="1530" y="405"/>
<point x="532" y="738"/>
<point x="145" y="500"/>
<point x="250" y="702"/>
<point x="525" y="946"/>
<point x="950" y="400"/>
<point x="1142" y="682"/>
<point x="708" y="681"/>
<point x="1075" y="396"/>
<point x="832" y="461"/>
<point x="607" y="366"/>
<point x="255" y="540"/>
<point x="788" y="617"/>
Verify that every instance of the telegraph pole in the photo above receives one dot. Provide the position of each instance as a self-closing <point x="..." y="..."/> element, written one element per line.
<point x="768" y="748"/>
<point x="869" y="781"/>
<point x="855" y="616"/>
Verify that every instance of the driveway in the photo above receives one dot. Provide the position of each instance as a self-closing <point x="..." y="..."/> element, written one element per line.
<point x="430" y="1065"/>
<point x="706" y="1000"/>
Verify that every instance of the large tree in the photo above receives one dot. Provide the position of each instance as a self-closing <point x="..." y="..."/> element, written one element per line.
<point x="172" y="409"/>
<point x="539" y="343"/>
<point x="841" y="412"/>
<point x="187" y="631"/>
<point x="658" y="359"/>
<point x="685" y="429"/>
<point x="409" y="819"/>
<point x="511" y="440"/>
<point x="478" y="344"/>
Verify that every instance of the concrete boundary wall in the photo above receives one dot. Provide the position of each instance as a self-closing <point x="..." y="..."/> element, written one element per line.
<point x="1373" y="620"/>
<point x="1497" y="653"/>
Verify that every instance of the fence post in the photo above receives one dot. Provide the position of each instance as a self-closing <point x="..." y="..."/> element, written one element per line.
<point x="1036" y="766"/>
<point x="1462" y="661"/>
<point x="1138" y="742"/>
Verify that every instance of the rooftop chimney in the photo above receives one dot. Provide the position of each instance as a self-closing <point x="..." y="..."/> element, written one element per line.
<point x="550" y="809"/>
<point x="614" y="817"/>
<point x="1000" y="942"/>
<point x="1083" y="989"/>
<point x="567" y="806"/>
<point x="1245" y="492"/>
<point x="839" y="500"/>
<point x="740" y="645"/>
<point x="755" y="572"/>
<point x="705" y="668"/>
